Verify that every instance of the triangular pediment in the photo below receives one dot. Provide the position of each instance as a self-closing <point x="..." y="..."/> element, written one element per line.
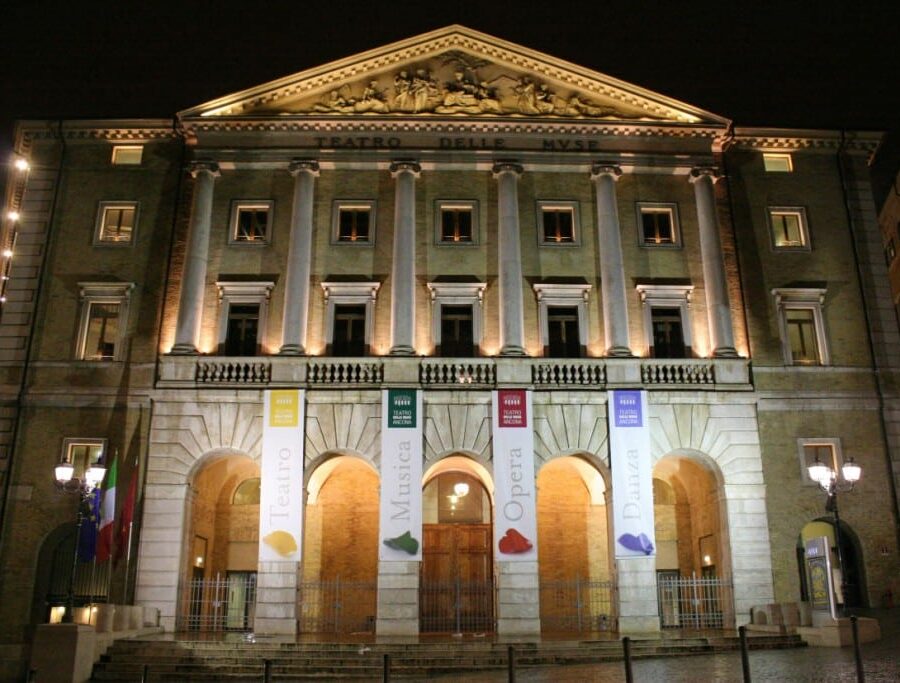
<point x="453" y="71"/>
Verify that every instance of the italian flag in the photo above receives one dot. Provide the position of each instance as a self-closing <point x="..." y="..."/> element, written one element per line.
<point x="107" y="516"/>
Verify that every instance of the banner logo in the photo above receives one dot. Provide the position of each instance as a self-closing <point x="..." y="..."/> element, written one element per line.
<point x="284" y="408"/>
<point x="512" y="408"/>
<point x="402" y="408"/>
<point x="627" y="409"/>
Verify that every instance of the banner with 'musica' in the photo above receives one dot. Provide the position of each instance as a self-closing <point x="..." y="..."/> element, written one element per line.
<point x="400" y="528"/>
<point x="632" y="482"/>
<point x="281" y="478"/>
<point x="515" y="523"/>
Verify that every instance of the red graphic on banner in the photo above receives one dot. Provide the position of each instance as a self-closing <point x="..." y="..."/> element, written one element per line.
<point x="514" y="542"/>
<point x="511" y="403"/>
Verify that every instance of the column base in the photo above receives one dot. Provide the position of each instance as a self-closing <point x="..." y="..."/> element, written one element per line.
<point x="184" y="350"/>
<point x="725" y="352"/>
<point x="402" y="351"/>
<point x="292" y="350"/>
<point x="619" y="352"/>
<point x="511" y="350"/>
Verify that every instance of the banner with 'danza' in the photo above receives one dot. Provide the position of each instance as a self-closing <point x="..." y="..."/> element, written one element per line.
<point x="400" y="529"/>
<point x="632" y="479"/>
<point x="281" y="479"/>
<point x="515" y="522"/>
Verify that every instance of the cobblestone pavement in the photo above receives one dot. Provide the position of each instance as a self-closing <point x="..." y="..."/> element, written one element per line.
<point x="881" y="662"/>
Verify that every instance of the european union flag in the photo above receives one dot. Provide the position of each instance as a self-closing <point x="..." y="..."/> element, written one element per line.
<point x="87" y="541"/>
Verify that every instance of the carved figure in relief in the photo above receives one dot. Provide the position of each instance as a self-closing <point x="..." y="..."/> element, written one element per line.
<point x="532" y="99"/>
<point x="372" y="100"/>
<point x="465" y="96"/>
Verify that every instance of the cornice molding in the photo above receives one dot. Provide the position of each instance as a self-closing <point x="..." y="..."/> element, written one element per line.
<point x="786" y="139"/>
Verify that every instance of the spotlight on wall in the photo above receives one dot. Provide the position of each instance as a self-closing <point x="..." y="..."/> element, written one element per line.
<point x="13" y="215"/>
<point x="21" y="164"/>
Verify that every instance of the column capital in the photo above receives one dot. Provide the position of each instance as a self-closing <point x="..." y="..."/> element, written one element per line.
<point x="204" y="166"/>
<point x="405" y="166"/>
<point x="297" y="166"/>
<point x="603" y="168"/>
<point x="501" y="167"/>
<point x="699" y="172"/>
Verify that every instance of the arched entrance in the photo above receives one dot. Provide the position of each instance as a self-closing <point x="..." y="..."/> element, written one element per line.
<point x="693" y="564"/>
<point x="573" y="547"/>
<point x="222" y="547"/>
<point x="340" y="548"/>
<point x="456" y="591"/>
<point x="852" y="571"/>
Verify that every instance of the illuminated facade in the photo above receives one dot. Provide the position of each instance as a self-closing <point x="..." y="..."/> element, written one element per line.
<point x="453" y="215"/>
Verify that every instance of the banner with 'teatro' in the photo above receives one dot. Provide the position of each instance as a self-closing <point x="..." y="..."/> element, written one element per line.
<point x="281" y="477"/>
<point x="515" y="523"/>
<point x="400" y="528"/>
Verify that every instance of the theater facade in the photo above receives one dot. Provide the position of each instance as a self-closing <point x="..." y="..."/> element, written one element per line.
<point x="450" y="336"/>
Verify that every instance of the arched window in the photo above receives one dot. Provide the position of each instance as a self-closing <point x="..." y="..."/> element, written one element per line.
<point x="247" y="492"/>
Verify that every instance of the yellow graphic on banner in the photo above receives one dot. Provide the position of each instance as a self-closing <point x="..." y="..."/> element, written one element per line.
<point x="284" y="408"/>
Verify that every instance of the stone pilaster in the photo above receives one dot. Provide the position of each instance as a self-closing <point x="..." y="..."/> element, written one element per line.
<point x="398" y="599"/>
<point x="718" y="310"/>
<point x="518" y="599"/>
<point x="612" y="269"/>
<point x="638" y="600"/>
<point x="512" y="325"/>
<point x="276" y="598"/>
<point x="403" y="268"/>
<point x="193" y="281"/>
<point x="297" y="273"/>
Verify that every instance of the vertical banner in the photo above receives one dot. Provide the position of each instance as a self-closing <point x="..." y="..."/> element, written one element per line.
<point x="515" y="520"/>
<point x="281" y="479"/>
<point x="632" y="478"/>
<point x="400" y="528"/>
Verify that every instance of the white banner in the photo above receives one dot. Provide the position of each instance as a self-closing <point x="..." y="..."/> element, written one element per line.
<point x="515" y="520"/>
<point x="632" y="478"/>
<point x="281" y="479"/>
<point x="400" y="529"/>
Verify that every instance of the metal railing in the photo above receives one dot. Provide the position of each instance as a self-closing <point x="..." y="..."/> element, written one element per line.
<point x="336" y="606"/>
<point x="456" y="606"/>
<point x="221" y="603"/>
<point x="696" y="602"/>
<point x="578" y="606"/>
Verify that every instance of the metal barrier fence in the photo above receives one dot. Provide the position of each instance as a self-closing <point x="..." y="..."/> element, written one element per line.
<point x="696" y="602"/>
<point x="578" y="606"/>
<point x="456" y="606"/>
<point x="336" y="606"/>
<point x="222" y="603"/>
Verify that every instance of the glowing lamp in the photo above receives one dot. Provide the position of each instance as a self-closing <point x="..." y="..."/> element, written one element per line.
<point x="94" y="475"/>
<point x="13" y="215"/>
<point x="64" y="472"/>
<point x="851" y="471"/>
<point x="21" y="164"/>
<point x="819" y="472"/>
<point x="461" y="489"/>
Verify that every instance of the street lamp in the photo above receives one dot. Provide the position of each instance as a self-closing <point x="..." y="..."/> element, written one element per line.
<point x="84" y="486"/>
<point x="827" y="478"/>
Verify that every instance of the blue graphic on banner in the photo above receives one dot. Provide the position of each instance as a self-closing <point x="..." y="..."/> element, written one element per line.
<point x="627" y="409"/>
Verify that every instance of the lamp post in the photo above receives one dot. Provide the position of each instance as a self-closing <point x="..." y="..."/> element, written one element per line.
<point x="84" y="486"/>
<point x="827" y="478"/>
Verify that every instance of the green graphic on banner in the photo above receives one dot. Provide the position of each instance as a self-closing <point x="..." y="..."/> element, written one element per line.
<point x="402" y="408"/>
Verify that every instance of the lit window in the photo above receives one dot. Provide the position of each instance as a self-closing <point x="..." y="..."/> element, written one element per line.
<point x="658" y="224"/>
<point x="788" y="225"/>
<point x="802" y="326"/>
<point x="82" y="453"/>
<point x="242" y="325"/>
<point x="250" y="222"/>
<point x="456" y="222"/>
<point x="127" y="155"/>
<point x="558" y="222"/>
<point x="354" y="222"/>
<point x="778" y="163"/>
<point x="103" y="320"/>
<point x="826" y="450"/>
<point x="247" y="492"/>
<point x="115" y="223"/>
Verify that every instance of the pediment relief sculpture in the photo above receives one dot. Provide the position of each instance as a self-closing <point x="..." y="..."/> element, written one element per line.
<point x="457" y="83"/>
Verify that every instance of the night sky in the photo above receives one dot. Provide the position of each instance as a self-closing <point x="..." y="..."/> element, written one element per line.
<point x="807" y="64"/>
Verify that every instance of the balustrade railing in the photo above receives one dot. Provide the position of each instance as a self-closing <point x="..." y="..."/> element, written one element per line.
<point x="234" y="371"/>
<point x="678" y="372"/>
<point x="569" y="372"/>
<point x="459" y="373"/>
<point x="349" y="371"/>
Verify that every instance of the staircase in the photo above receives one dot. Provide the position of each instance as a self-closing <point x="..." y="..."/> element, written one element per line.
<point x="186" y="661"/>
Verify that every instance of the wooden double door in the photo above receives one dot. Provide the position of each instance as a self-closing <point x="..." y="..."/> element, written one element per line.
<point x="457" y="587"/>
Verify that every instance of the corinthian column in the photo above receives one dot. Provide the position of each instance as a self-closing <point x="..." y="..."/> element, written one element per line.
<point x="612" y="270"/>
<point x="512" y="326"/>
<point x="193" y="281"/>
<point x="718" y="311"/>
<point x="296" y="287"/>
<point x="403" y="269"/>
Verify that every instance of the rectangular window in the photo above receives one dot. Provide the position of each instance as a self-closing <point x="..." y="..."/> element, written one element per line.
<point x="558" y="224"/>
<point x="827" y="450"/>
<point x="777" y="162"/>
<point x="788" y="228"/>
<point x="801" y="332"/>
<point x="657" y="226"/>
<point x="457" y="332"/>
<point x="668" y="334"/>
<point x="563" y="338"/>
<point x="250" y="222"/>
<point x="102" y="331"/>
<point x="127" y="155"/>
<point x="115" y="222"/>
<point x="241" y="337"/>
<point x="349" y="336"/>
<point x="354" y="222"/>
<point x="456" y="224"/>
<point x="82" y="453"/>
